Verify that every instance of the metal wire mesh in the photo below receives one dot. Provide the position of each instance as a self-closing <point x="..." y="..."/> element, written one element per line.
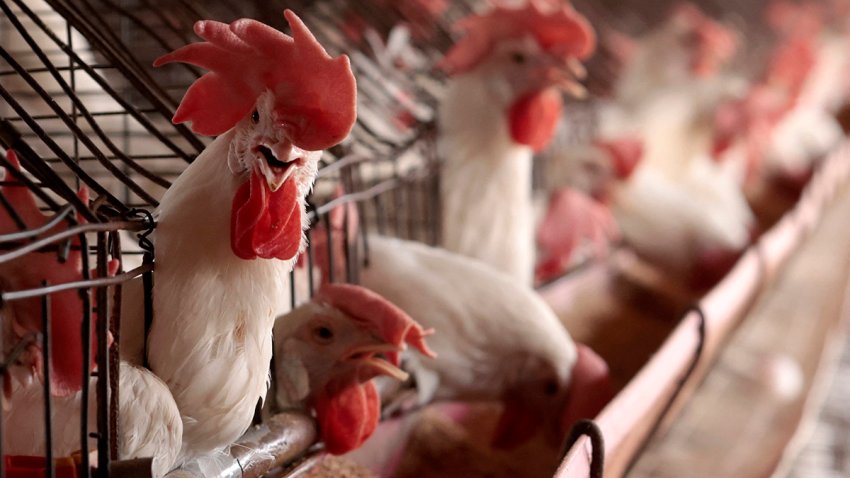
<point x="82" y="106"/>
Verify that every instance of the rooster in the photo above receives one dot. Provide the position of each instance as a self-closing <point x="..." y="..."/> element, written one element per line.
<point x="502" y="104"/>
<point x="230" y="227"/>
<point x="325" y="352"/>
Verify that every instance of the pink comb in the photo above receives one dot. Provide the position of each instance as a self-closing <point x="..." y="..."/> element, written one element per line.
<point x="315" y="94"/>
<point x="560" y="31"/>
<point x="390" y="323"/>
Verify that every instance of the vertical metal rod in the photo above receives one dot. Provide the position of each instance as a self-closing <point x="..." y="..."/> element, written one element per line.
<point x="73" y="73"/>
<point x="310" y="263"/>
<point x="103" y="368"/>
<point x="363" y="230"/>
<point x="147" y="285"/>
<point x="85" y="336"/>
<point x="114" y="351"/>
<point x="46" y="355"/>
<point x="329" y="229"/>
<point x="292" y="289"/>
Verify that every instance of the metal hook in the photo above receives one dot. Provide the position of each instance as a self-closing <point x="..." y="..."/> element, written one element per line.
<point x="590" y="429"/>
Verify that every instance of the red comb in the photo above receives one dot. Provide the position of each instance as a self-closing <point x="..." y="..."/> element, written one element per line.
<point x="560" y="31"/>
<point x="390" y="323"/>
<point x="314" y="94"/>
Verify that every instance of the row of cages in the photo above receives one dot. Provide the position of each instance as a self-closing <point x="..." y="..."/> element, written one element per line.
<point x="83" y="107"/>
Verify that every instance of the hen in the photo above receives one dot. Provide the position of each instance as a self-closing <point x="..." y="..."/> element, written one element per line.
<point x="325" y="354"/>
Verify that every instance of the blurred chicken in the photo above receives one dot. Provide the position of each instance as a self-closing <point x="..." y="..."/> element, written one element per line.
<point x="786" y="122"/>
<point x="693" y="229"/>
<point x="326" y="355"/>
<point x="578" y="215"/>
<point x="230" y="227"/>
<point x="691" y="44"/>
<point x="679" y="210"/>
<point x="502" y="104"/>
<point x="22" y="318"/>
<point x="149" y="423"/>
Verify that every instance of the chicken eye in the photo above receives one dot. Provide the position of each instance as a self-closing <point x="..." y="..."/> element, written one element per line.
<point x="518" y="58"/>
<point x="255" y="116"/>
<point x="323" y="334"/>
<point x="550" y="388"/>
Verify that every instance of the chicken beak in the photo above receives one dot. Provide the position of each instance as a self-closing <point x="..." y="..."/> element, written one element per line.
<point x="565" y="75"/>
<point x="369" y="366"/>
<point x="278" y="161"/>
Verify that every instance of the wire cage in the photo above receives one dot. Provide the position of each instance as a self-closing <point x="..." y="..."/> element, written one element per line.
<point x="82" y="107"/>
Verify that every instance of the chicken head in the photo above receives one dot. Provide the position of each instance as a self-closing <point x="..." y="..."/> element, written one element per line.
<point x="527" y="55"/>
<point x="286" y="99"/>
<point x="329" y="349"/>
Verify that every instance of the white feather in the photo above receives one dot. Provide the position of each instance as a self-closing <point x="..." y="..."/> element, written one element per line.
<point x="149" y="423"/>
<point x="486" y="325"/>
<point x="485" y="182"/>
<point x="210" y="340"/>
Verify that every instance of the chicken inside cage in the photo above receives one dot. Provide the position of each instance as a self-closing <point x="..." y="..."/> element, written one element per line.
<point x="387" y="238"/>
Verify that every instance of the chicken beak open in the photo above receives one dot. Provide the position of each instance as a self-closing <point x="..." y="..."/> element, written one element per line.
<point x="383" y="318"/>
<point x="368" y="365"/>
<point x="278" y="161"/>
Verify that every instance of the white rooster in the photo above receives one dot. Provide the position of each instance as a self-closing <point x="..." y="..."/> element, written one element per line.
<point x="230" y="227"/>
<point x="502" y="104"/>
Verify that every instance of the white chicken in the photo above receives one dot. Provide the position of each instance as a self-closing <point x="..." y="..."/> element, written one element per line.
<point x="230" y="227"/>
<point x="694" y="228"/>
<point x="776" y="134"/>
<point x="149" y="423"/>
<point x="326" y="355"/>
<point x="496" y="340"/>
<point x="502" y="104"/>
<point x="483" y="321"/>
<point x="679" y="210"/>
